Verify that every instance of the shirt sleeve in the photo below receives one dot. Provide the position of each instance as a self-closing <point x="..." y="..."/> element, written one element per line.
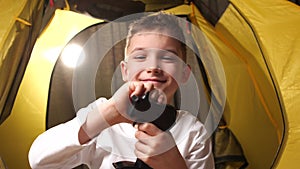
<point x="193" y="142"/>
<point x="59" y="147"/>
<point x="200" y="152"/>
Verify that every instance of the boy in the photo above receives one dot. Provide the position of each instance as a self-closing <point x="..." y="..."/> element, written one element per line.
<point x="102" y="133"/>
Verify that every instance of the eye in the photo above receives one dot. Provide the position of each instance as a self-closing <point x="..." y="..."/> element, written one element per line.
<point x="139" y="57"/>
<point x="169" y="58"/>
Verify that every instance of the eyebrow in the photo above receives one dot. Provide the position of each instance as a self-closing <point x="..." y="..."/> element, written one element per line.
<point x="137" y="49"/>
<point x="145" y="49"/>
<point x="172" y="51"/>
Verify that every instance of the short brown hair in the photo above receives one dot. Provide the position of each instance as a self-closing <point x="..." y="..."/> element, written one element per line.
<point x="161" y="22"/>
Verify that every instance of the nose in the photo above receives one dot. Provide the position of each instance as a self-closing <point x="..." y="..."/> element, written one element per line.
<point x="154" y="70"/>
<point x="153" y="65"/>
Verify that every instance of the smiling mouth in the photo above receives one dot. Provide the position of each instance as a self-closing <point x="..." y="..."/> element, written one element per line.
<point x="154" y="80"/>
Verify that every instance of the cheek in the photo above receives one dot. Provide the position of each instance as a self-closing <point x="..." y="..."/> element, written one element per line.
<point x="133" y="73"/>
<point x="174" y="72"/>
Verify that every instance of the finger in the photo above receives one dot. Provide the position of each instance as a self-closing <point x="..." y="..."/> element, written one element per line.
<point x="142" y="148"/>
<point x="140" y="135"/>
<point x="149" y="128"/>
<point x="142" y="156"/>
<point x="158" y="96"/>
<point x="162" y="98"/>
<point x="148" y="86"/>
<point x="146" y="139"/>
<point x="137" y="89"/>
<point x="154" y="145"/>
<point x="154" y="94"/>
<point x="131" y="87"/>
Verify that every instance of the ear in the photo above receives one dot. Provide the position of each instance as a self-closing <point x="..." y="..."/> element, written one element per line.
<point x="124" y="71"/>
<point x="186" y="73"/>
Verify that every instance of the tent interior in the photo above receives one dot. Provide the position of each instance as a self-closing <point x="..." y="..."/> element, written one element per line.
<point x="255" y="42"/>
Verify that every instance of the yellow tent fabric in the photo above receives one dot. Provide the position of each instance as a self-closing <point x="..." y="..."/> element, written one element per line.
<point x="257" y="43"/>
<point x="280" y="40"/>
<point x="28" y="115"/>
<point x="243" y="89"/>
<point x="20" y="25"/>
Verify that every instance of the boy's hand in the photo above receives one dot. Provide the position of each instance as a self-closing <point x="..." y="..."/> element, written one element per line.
<point x="157" y="148"/>
<point x="113" y="111"/>
<point x="121" y="102"/>
<point x="139" y="88"/>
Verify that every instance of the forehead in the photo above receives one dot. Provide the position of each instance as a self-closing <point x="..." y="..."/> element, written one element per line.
<point x="155" y="41"/>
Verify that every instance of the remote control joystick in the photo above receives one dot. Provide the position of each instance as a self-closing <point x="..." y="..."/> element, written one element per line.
<point x="146" y="110"/>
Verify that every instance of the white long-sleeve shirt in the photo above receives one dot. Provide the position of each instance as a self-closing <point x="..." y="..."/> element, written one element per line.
<point x="59" y="147"/>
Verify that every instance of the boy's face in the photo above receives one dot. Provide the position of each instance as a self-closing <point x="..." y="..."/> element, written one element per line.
<point x="157" y="59"/>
